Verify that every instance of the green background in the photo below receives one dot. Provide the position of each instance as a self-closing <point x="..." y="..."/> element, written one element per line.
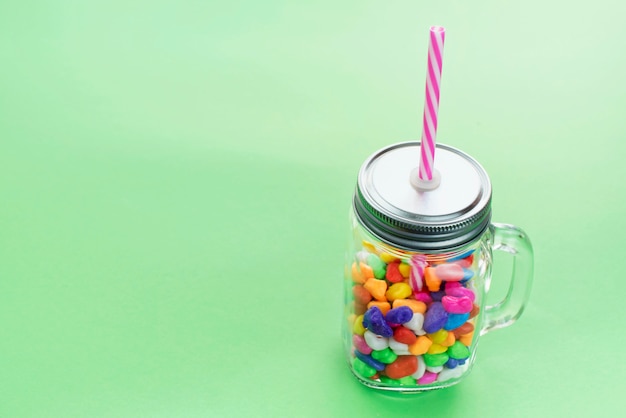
<point x="175" y="180"/>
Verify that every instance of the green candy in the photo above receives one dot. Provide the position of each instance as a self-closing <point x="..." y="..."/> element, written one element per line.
<point x="362" y="368"/>
<point x="458" y="351"/>
<point x="384" y="356"/>
<point x="405" y="381"/>
<point x="389" y="381"/>
<point x="435" y="360"/>
<point x="378" y="266"/>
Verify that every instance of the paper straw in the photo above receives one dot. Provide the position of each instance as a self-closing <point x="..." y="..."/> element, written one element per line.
<point x="416" y="277"/>
<point x="431" y="102"/>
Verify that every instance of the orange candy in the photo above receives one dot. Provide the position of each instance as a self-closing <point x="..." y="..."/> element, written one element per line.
<point x="432" y="281"/>
<point x="420" y="346"/>
<point x="415" y="305"/>
<point x="377" y="289"/>
<point x="467" y="339"/>
<point x="383" y="306"/>
<point x="361" y="273"/>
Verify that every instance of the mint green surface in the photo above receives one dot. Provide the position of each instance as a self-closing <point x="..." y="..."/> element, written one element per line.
<point x="174" y="188"/>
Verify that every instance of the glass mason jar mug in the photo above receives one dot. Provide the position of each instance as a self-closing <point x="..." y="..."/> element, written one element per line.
<point x="418" y="269"/>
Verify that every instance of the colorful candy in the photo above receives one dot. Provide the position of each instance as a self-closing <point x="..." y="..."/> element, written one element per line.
<point x="373" y="363"/>
<point x="411" y="318"/>
<point x="393" y="274"/>
<point x="377" y="265"/>
<point x="399" y="315"/>
<point x="435" y="318"/>
<point x="398" y="291"/>
<point x="377" y="289"/>
<point x="404" y="335"/>
<point x="457" y="305"/>
<point x="385" y="356"/>
<point x="402" y="367"/>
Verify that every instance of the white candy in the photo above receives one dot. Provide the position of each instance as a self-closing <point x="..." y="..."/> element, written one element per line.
<point x="375" y="342"/>
<point x="421" y="368"/>
<point x="435" y="369"/>
<point x="448" y="374"/>
<point x="362" y="256"/>
<point x="416" y="323"/>
<point x="398" y="348"/>
<point x="395" y="345"/>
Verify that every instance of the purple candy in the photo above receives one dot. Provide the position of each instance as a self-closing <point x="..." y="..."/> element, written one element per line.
<point x="435" y="318"/>
<point x="437" y="295"/>
<point x="399" y="315"/>
<point x="375" y="322"/>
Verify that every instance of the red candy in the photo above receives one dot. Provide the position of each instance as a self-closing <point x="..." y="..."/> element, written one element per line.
<point x="361" y="295"/>
<point x="464" y="329"/>
<point x="393" y="273"/>
<point x="403" y="366"/>
<point x="474" y="311"/>
<point x="404" y="335"/>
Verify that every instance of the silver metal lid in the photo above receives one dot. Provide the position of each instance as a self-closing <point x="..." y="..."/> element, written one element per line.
<point x="455" y="213"/>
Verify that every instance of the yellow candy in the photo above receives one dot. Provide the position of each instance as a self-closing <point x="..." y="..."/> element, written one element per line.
<point x="358" y="328"/>
<point x="439" y="336"/>
<point x="383" y="306"/>
<point x="437" y="349"/>
<point x="420" y="346"/>
<point x="405" y="270"/>
<point x="417" y="306"/>
<point x="449" y="341"/>
<point x="398" y="291"/>
<point x="369" y="247"/>
<point x="388" y="258"/>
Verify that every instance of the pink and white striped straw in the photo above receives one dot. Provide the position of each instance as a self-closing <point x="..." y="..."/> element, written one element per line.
<point x="431" y="102"/>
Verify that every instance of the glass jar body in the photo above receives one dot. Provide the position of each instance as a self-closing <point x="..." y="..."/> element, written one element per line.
<point x="412" y="319"/>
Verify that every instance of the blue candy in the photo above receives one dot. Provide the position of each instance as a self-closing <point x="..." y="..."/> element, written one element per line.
<point x="450" y="364"/>
<point x="455" y="320"/>
<point x="375" y="364"/>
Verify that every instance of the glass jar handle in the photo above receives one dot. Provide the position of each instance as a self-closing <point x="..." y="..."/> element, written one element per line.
<point x="512" y="240"/>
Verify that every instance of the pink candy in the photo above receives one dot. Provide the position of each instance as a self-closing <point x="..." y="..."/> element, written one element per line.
<point x="449" y="272"/>
<point x="457" y="290"/>
<point x="457" y="305"/>
<point x="429" y="377"/>
<point x="360" y="344"/>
